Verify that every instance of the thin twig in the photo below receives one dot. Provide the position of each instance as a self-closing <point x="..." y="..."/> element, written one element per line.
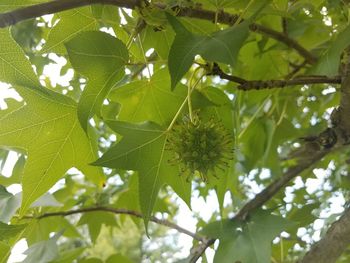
<point x="121" y="211"/>
<point x="17" y="15"/>
<point x="281" y="83"/>
<point x="273" y="83"/>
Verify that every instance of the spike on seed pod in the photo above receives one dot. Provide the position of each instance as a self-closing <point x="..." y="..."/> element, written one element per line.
<point x="201" y="147"/>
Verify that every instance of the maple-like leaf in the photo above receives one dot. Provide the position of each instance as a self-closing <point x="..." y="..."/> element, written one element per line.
<point x="143" y="149"/>
<point x="149" y="99"/>
<point x="221" y="46"/>
<point x="152" y="100"/>
<point x="248" y="241"/>
<point x="48" y="130"/>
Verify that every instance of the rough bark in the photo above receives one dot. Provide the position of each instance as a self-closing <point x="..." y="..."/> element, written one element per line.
<point x="332" y="245"/>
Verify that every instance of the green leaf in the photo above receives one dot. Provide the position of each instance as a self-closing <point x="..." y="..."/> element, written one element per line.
<point x="109" y="56"/>
<point x="303" y="216"/>
<point x="143" y="149"/>
<point x="118" y="258"/>
<point x="254" y="142"/>
<point x="159" y="40"/>
<point x="69" y="256"/>
<point x="221" y="46"/>
<point x="8" y="204"/>
<point x="5" y="251"/>
<point x="251" y="241"/>
<point x="95" y="220"/>
<point x="71" y="23"/>
<point x="44" y="251"/>
<point x="41" y="229"/>
<point x="224" y="229"/>
<point x="91" y="260"/>
<point x="149" y="99"/>
<point x="329" y="61"/>
<point x="129" y="198"/>
<point x="46" y="200"/>
<point x="153" y="101"/>
<point x="15" y="67"/>
<point x="9" y="231"/>
<point x="16" y="175"/>
<point x="51" y="150"/>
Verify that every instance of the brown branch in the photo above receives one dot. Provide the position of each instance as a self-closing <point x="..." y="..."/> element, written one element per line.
<point x="265" y="195"/>
<point x="344" y="107"/>
<point x="121" y="211"/>
<point x="33" y="11"/>
<point x="280" y="83"/>
<point x="273" y="83"/>
<point x="198" y="251"/>
<point x="332" y="245"/>
<point x="15" y="16"/>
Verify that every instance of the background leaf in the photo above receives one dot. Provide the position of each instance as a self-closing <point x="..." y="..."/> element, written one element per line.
<point x="9" y="231"/>
<point x="70" y="24"/>
<point x="8" y="204"/>
<point x="44" y="251"/>
<point x="147" y="99"/>
<point x="329" y="62"/>
<point x="109" y="56"/>
<point x="251" y="242"/>
<point x="221" y="46"/>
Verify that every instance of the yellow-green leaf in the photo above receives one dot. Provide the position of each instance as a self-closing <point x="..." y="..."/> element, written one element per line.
<point x="48" y="130"/>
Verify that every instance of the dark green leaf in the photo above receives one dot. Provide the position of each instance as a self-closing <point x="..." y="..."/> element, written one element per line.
<point x="221" y="46"/>
<point x="95" y="220"/>
<point x="250" y="241"/>
<point x="329" y="62"/>
<point x="10" y="231"/>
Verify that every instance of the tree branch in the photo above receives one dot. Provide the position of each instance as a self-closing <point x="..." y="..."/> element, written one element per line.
<point x="278" y="184"/>
<point x="273" y="83"/>
<point x="332" y="245"/>
<point x="15" y="16"/>
<point x="121" y="211"/>
<point x="344" y="107"/>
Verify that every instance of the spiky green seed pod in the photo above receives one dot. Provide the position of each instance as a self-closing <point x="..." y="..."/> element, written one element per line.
<point x="200" y="146"/>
